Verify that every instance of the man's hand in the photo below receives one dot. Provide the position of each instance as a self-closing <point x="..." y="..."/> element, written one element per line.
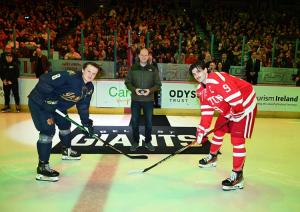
<point x="142" y="92"/>
<point x="138" y="91"/>
<point x="146" y="92"/>
<point x="89" y="128"/>
<point x="199" y="134"/>
<point x="236" y="116"/>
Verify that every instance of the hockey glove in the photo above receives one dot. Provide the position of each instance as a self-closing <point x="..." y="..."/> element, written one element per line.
<point x="236" y="115"/>
<point x="50" y="105"/>
<point x="200" y="135"/>
<point x="89" y="128"/>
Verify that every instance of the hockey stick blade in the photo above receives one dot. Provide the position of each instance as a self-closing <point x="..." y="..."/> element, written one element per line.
<point x="137" y="156"/>
<point x="119" y="151"/>
<point x="182" y="149"/>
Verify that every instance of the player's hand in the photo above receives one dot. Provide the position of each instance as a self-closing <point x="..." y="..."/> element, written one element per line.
<point x="236" y="116"/>
<point x="89" y="128"/>
<point x="199" y="135"/>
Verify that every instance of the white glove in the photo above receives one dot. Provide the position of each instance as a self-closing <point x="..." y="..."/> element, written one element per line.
<point x="199" y="134"/>
<point x="199" y="138"/>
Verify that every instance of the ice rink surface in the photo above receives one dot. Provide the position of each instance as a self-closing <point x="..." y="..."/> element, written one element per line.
<point x="102" y="183"/>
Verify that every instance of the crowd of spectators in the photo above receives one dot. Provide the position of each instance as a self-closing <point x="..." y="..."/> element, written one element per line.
<point x="260" y="26"/>
<point x="152" y="20"/>
<point x="31" y="20"/>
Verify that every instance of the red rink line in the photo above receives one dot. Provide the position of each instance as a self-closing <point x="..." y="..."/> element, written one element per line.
<point x="94" y="195"/>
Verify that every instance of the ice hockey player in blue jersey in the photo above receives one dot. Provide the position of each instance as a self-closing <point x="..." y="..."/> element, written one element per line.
<point x="60" y="90"/>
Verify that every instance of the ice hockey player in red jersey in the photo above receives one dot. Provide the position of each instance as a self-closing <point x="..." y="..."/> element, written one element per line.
<point x="233" y="99"/>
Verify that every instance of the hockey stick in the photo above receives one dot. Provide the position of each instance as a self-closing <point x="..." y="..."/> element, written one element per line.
<point x="177" y="152"/>
<point x="97" y="138"/>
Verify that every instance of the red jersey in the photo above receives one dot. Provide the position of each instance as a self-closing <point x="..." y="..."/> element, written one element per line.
<point x="230" y="96"/>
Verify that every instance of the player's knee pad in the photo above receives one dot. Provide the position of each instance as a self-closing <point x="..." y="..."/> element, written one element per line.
<point x="45" y="139"/>
<point x="64" y="132"/>
<point x="65" y="137"/>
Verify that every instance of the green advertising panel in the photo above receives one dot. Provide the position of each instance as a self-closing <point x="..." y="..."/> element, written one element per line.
<point x="238" y="71"/>
<point x="112" y="94"/>
<point x="170" y="71"/>
<point x="273" y="98"/>
<point x="283" y="76"/>
<point x="179" y="95"/>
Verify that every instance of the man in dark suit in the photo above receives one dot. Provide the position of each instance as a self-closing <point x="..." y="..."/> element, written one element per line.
<point x="225" y="63"/>
<point x="40" y="64"/>
<point x="252" y="69"/>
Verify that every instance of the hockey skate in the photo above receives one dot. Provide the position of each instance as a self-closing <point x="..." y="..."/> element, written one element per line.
<point x="5" y="109"/>
<point x="134" y="146"/>
<point x="150" y="147"/>
<point x="45" y="173"/>
<point x="209" y="161"/>
<point x="70" y="154"/>
<point x="235" y="181"/>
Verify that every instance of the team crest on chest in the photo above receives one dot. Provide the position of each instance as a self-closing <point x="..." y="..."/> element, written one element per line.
<point x="216" y="99"/>
<point x="70" y="96"/>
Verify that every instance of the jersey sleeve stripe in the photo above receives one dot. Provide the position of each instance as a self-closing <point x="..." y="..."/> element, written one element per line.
<point x="201" y="128"/>
<point x="206" y="107"/>
<point x="231" y="97"/>
<point x="237" y="102"/>
<point x="212" y="81"/>
<point x="220" y="75"/>
<point x="249" y="98"/>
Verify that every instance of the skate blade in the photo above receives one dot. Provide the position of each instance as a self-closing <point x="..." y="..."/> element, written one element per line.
<point x="70" y="158"/>
<point x="231" y="188"/>
<point x="40" y="177"/>
<point x="208" y="165"/>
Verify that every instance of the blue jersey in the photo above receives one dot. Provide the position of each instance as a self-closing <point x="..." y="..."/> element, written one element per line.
<point x="67" y="88"/>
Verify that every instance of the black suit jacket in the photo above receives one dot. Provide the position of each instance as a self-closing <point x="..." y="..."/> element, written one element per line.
<point x="252" y="67"/>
